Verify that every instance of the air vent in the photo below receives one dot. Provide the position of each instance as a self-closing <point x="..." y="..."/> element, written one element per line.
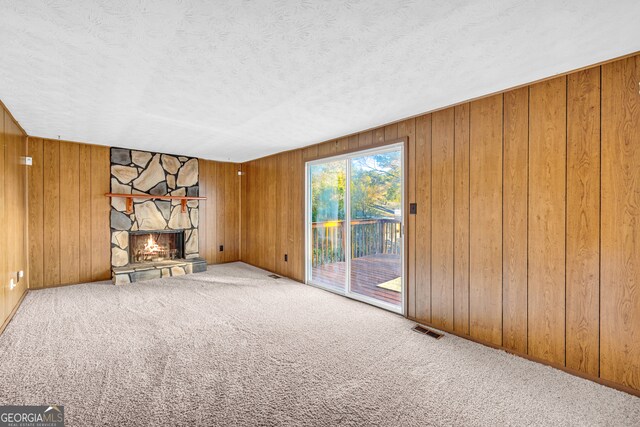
<point x="274" y="276"/>
<point x="426" y="331"/>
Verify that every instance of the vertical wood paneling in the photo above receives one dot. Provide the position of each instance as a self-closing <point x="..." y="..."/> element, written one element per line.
<point x="421" y="237"/>
<point x="282" y="215"/>
<point x="365" y="139"/>
<point x="391" y="132"/>
<point x="21" y="229"/>
<point x="353" y="142"/>
<point x="514" y="234"/>
<point x="257" y="173"/>
<point x="262" y="220"/>
<point x="461" y="221"/>
<point x="620" y="222"/>
<point x="212" y="208"/>
<point x="84" y="213"/>
<point x="547" y="164"/>
<point x="378" y="135"/>
<point x="296" y="231"/>
<point x="442" y="184"/>
<point x="270" y="212"/>
<point x="11" y="244"/>
<point x="221" y="180"/>
<point x="275" y="184"/>
<point x="233" y="210"/>
<point x="4" y="275"/>
<point x="342" y="145"/>
<point x="309" y="153"/>
<point x="244" y="203"/>
<point x="51" y="230"/>
<point x="485" y="259"/>
<point x="13" y="214"/>
<point x="407" y="128"/>
<point x="231" y="222"/>
<point x="36" y="212"/>
<point x="100" y="211"/>
<point x="327" y="148"/>
<point x="203" y="211"/>
<point x="583" y="221"/>
<point x="69" y="211"/>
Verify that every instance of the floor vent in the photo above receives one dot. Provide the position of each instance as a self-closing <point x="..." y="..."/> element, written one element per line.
<point x="275" y="276"/>
<point x="427" y="331"/>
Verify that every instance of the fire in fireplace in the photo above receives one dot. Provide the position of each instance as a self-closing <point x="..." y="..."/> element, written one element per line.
<point x="154" y="246"/>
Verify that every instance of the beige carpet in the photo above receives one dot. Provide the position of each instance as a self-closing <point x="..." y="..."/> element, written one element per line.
<point x="234" y="347"/>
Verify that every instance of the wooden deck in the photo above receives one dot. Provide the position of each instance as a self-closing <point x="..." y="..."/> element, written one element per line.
<point x="366" y="274"/>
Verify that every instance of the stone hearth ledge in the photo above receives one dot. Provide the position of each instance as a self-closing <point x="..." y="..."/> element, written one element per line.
<point x="156" y="270"/>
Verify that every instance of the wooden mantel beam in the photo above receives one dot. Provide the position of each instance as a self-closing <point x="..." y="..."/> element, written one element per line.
<point x="130" y="197"/>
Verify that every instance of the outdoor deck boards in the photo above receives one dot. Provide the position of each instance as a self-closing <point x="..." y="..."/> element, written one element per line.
<point x="366" y="273"/>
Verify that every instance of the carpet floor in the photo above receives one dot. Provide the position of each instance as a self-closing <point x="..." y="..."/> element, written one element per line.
<point x="232" y="346"/>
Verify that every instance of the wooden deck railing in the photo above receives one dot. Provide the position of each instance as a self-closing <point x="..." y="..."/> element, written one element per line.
<point x="368" y="237"/>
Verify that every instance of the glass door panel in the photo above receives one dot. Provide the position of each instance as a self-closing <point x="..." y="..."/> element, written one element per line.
<point x="375" y="195"/>
<point x="327" y="238"/>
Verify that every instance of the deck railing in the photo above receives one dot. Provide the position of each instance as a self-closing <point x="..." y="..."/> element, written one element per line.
<point x="368" y="237"/>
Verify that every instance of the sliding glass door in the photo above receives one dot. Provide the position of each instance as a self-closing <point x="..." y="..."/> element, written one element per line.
<point x="354" y="226"/>
<point x="326" y="182"/>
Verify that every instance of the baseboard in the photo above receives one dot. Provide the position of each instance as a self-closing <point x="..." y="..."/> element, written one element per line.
<point x="13" y="312"/>
<point x="601" y="381"/>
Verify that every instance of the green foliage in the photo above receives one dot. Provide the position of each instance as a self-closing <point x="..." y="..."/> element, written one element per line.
<point x="375" y="188"/>
<point x="328" y="182"/>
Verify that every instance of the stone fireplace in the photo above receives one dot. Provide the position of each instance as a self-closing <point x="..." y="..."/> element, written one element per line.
<point x="153" y="238"/>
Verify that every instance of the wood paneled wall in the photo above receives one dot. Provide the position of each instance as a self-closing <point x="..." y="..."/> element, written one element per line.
<point x="219" y="222"/>
<point x="13" y="213"/>
<point x="527" y="235"/>
<point x="68" y="213"/>
<point x="273" y="207"/>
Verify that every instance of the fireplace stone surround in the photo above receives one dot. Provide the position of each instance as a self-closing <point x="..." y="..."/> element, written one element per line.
<point x="156" y="174"/>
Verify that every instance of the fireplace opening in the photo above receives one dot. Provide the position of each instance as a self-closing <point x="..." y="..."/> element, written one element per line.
<point x="155" y="246"/>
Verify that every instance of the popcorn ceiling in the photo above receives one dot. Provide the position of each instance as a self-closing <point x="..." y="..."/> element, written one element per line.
<point x="239" y="80"/>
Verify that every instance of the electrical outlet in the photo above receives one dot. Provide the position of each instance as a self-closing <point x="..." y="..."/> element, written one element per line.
<point x="221" y="248"/>
<point x="286" y="258"/>
<point x="413" y="208"/>
<point x="12" y="284"/>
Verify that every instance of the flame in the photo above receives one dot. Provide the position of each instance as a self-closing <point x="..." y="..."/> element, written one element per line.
<point x="151" y="245"/>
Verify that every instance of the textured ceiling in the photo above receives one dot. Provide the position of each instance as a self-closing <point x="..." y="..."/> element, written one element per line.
<point x="242" y="79"/>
